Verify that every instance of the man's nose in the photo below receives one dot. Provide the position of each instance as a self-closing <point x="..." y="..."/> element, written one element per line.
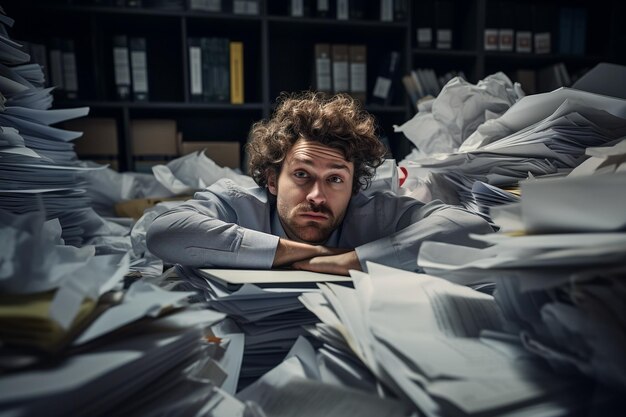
<point x="317" y="194"/>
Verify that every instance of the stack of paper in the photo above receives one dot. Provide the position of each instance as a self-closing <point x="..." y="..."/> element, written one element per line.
<point x="442" y="124"/>
<point x="299" y="386"/>
<point x="264" y="305"/>
<point x="486" y="196"/>
<point x="77" y="343"/>
<point x="38" y="167"/>
<point x="562" y="286"/>
<point x="545" y="134"/>
<point x="162" y="367"/>
<point x="440" y="345"/>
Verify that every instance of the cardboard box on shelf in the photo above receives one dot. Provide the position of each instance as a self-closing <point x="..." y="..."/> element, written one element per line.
<point x="224" y="154"/>
<point x="153" y="137"/>
<point x="99" y="136"/>
<point x="135" y="208"/>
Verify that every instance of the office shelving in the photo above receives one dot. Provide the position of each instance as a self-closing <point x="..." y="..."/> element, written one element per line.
<point x="278" y="56"/>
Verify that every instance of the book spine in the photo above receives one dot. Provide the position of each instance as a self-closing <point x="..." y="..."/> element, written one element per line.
<point x="323" y="72"/>
<point x="383" y="87"/>
<point x="70" y="74"/>
<point x="423" y="13"/>
<point x="341" y="73"/>
<point x="296" y="8"/>
<point x="386" y="10"/>
<point x="322" y="8"/>
<point x="343" y="11"/>
<point x="358" y="72"/>
<point x="236" y="73"/>
<point x="209" y="69"/>
<point x="506" y="33"/>
<point x="444" y="15"/>
<point x="206" y="5"/>
<point x="195" y="69"/>
<point x="223" y="70"/>
<point x="121" y="67"/>
<point x="139" y="68"/>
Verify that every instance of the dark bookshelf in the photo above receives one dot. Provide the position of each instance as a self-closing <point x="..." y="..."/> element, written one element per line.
<point x="279" y="54"/>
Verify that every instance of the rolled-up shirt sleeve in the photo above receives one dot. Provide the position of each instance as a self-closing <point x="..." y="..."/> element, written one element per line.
<point x="208" y="232"/>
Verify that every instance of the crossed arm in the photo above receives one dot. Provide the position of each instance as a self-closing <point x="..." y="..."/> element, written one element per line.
<point x="315" y="258"/>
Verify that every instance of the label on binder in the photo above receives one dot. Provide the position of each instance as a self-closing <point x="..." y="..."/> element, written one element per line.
<point x="342" y="10"/>
<point x="120" y="57"/>
<point x="523" y="42"/>
<point x="297" y="8"/>
<point x="195" y="66"/>
<point x="424" y="37"/>
<point x="322" y="67"/>
<point x="382" y="87"/>
<point x="386" y="10"/>
<point x="140" y="71"/>
<point x="543" y="43"/>
<point x="491" y="40"/>
<point x="506" y="39"/>
<point x="444" y="38"/>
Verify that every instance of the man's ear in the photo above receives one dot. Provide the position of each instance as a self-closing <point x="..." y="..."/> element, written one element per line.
<point x="272" y="182"/>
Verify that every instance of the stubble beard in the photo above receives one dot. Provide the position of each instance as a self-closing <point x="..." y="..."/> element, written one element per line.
<point x="311" y="232"/>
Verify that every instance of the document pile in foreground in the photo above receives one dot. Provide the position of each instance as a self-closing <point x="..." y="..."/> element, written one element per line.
<point x="441" y="346"/>
<point x="76" y="342"/>
<point x="265" y="307"/>
<point x="560" y="284"/>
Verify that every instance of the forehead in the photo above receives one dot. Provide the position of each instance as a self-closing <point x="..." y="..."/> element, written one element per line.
<point x="315" y="154"/>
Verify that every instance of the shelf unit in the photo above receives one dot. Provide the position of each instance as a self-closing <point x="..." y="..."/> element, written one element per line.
<point x="278" y="56"/>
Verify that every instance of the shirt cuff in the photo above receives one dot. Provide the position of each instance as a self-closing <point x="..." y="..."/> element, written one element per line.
<point x="257" y="250"/>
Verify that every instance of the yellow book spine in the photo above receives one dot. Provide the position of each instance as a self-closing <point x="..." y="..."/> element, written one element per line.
<point x="236" y="72"/>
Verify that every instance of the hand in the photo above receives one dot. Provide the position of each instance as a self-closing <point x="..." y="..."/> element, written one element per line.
<point x="339" y="264"/>
<point x="289" y="251"/>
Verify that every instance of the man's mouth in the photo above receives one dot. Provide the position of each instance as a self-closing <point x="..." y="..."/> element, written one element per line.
<point x="311" y="215"/>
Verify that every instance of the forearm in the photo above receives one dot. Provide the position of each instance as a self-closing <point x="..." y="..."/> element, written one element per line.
<point x="289" y="251"/>
<point x="338" y="264"/>
<point x="400" y="249"/>
<point x="193" y="239"/>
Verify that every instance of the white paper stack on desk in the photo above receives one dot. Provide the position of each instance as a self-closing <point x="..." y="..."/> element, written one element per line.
<point x="539" y="135"/>
<point x="122" y="376"/>
<point x="265" y="306"/>
<point x="440" y="346"/>
<point x="562" y="284"/>
<point x="75" y="343"/>
<point x="37" y="163"/>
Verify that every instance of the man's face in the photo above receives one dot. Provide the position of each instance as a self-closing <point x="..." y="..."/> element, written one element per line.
<point x="312" y="191"/>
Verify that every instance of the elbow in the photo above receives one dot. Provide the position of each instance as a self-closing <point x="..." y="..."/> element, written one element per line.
<point x="158" y="240"/>
<point x="459" y="224"/>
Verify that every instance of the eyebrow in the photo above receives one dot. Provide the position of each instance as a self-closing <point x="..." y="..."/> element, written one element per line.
<point x="310" y="162"/>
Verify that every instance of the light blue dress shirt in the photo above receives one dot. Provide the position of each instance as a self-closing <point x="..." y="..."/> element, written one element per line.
<point x="229" y="226"/>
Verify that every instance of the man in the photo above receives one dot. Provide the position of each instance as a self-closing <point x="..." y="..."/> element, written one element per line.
<point x="311" y="161"/>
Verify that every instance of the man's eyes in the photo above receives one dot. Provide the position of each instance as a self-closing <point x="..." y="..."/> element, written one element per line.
<point x="334" y="179"/>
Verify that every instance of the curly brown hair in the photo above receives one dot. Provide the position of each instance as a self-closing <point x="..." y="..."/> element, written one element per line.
<point x="336" y="121"/>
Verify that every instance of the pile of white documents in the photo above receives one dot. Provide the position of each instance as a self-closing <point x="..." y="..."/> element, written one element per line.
<point x="543" y="134"/>
<point x="271" y="318"/>
<point x="299" y="386"/>
<point x="444" y="123"/>
<point x="560" y="277"/>
<point x="76" y="342"/>
<point x="38" y="167"/>
<point x="440" y="346"/>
